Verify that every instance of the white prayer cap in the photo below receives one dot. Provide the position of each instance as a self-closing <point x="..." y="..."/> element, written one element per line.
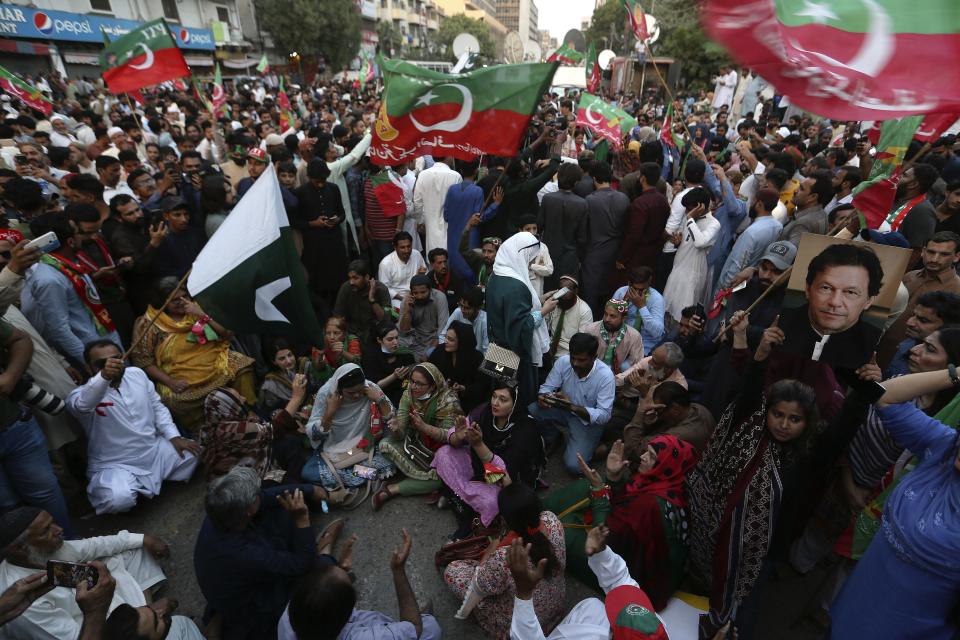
<point x="114" y="131"/>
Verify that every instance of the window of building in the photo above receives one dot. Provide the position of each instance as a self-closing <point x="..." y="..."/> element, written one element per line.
<point x="170" y="10"/>
<point x="100" y="5"/>
<point x="223" y="14"/>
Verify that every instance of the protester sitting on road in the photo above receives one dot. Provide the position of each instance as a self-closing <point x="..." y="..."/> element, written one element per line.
<point x="29" y="538"/>
<point x="133" y="446"/>
<point x="386" y="362"/>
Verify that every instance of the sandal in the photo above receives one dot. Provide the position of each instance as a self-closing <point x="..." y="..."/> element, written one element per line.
<point x="380" y="497"/>
<point x="329" y="535"/>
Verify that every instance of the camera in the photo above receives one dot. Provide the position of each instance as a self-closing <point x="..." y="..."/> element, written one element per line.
<point x="560" y="124"/>
<point x="34" y="396"/>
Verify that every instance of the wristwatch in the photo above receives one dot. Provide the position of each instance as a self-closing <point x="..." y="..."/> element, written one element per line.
<point x="954" y="378"/>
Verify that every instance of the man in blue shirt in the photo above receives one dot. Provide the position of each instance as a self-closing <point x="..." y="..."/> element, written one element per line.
<point x="754" y="240"/>
<point x="576" y="399"/>
<point x="462" y="201"/>
<point x="645" y="313"/>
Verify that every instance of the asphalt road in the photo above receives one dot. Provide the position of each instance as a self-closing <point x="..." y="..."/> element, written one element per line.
<point x="177" y="513"/>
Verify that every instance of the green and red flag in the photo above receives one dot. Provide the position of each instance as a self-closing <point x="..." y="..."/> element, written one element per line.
<point x="874" y="197"/>
<point x="484" y="111"/>
<point x="592" y="70"/>
<point x="667" y="136"/>
<point x="566" y="55"/>
<point x="283" y="102"/>
<point x="146" y="56"/>
<point x="367" y="71"/>
<point x="218" y="97"/>
<point x="638" y="21"/>
<point x="846" y="59"/>
<point x="263" y="66"/>
<point x="605" y="121"/>
<point x="27" y="94"/>
<point x="388" y="190"/>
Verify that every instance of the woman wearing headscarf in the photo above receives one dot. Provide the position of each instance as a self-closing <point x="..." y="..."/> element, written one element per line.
<point x="347" y="422"/>
<point x="907" y="583"/>
<point x="514" y="321"/>
<point x="386" y="362"/>
<point x="459" y="362"/>
<point x="234" y="435"/>
<point x="645" y="507"/>
<point x="428" y="413"/>
<point x="494" y="440"/>
<point x="738" y="488"/>
<point x="340" y="348"/>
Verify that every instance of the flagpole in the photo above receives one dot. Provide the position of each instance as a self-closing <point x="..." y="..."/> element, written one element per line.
<point x="133" y="111"/>
<point x="162" y="308"/>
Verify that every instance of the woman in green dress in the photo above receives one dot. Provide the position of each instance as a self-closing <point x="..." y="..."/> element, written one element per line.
<point x="644" y="506"/>
<point x="428" y="411"/>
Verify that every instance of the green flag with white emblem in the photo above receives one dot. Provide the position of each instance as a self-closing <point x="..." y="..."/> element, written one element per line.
<point x="249" y="277"/>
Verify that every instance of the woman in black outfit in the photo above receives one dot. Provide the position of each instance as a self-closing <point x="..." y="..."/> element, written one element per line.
<point x="386" y="363"/>
<point x="459" y="362"/>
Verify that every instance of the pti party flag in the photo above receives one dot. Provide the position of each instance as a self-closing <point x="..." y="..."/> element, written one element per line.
<point x="484" y="111"/>
<point x="592" y="70"/>
<point x="286" y="112"/>
<point x="28" y="95"/>
<point x="934" y="125"/>
<point x="248" y="277"/>
<point x="637" y="20"/>
<point x="667" y="136"/>
<point x="605" y="121"/>
<point x="219" y="97"/>
<point x="389" y="192"/>
<point x="146" y="56"/>
<point x="263" y="66"/>
<point x="367" y="71"/>
<point x="874" y="197"/>
<point x="846" y="59"/>
<point x="566" y="55"/>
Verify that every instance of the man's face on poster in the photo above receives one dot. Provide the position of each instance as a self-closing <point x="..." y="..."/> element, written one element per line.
<point x="837" y="296"/>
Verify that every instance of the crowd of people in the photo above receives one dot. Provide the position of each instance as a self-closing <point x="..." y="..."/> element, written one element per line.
<point x="628" y="300"/>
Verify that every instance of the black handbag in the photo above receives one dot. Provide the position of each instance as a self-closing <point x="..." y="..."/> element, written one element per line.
<point x="416" y="451"/>
<point x="500" y="363"/>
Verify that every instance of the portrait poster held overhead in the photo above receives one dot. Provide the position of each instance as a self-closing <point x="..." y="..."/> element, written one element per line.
<point x="838" y="298"/>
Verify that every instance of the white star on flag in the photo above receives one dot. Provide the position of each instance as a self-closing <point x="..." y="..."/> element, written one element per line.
<point x="819" y="13"/>
<point x="425" y="98"/>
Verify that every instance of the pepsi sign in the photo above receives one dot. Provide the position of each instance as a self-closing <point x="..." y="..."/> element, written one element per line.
<point x="23" y="22"/>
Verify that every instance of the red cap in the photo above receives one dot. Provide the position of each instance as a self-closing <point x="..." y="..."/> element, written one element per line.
<point x="258" y="154"/>
<point x="631" y="615"/>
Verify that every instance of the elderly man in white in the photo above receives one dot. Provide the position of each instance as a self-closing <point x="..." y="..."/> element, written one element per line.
<point x="29" y="538"/>
<point x="429" y="195"/>
<point x="133" y="443"/>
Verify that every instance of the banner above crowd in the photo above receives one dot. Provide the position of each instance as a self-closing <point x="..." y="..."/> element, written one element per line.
<point x="464" y="115"/>
<point x="847" y="59"/>
<point x="604" y="120"/>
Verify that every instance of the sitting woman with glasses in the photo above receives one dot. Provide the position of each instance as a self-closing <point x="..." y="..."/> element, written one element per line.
<point x="427" y="415"/>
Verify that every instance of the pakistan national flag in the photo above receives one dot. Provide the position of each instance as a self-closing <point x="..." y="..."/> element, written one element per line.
<point x="146" y="56"/>
<point x="603" y="120"/>
<point x="248" y="277"/>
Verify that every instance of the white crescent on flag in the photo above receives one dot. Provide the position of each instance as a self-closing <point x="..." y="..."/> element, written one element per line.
<point x="457" y="123"/>
<point x="148" y="62"/>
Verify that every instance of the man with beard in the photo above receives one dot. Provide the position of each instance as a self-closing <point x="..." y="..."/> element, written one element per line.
<point x="470" y="311"/>
<point x="940" y="256"/>
<point x="565" y="316"/>
<point x="236" y="167"/>
<point x="422" y="313"/>
<point x="361" y="300"/>
<point x="933" y="310"/>
<point x="181" y="246"/>
<point x="148" y="189"/>
<point x="153" y="621"/>
<point x="670" y="412"/>
<point x="948" y="213"/>
<point x="29" y="538"/>
<point x="135" y="134"/>
<point x="479" y="260"/>
<point x="809" y="199"/>
<point x="755" y="238"/>
<point x="130" y="237"/>
<point x="913" y="215"/>
<point x="845" y="180"/>
<point x="620" y="345"/>
<point x="397" y="268"/>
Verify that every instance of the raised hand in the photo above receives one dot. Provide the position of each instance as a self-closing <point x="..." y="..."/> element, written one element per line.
<point x="772" y="336"/>
<point x="596" y="540"/>
<point x="870" y="371"/>
<point x="525" y="577"/>
<point x="400" y="553"/>
<point x="590" y="474"/>
<point x="615" y="460"/>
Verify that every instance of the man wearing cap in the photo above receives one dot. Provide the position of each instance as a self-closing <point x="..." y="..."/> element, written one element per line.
<point x="29" y="538"/>
<point x="620" y="344"/>
<point x="257" y="162"/>
<point x="117" y="140"/>
<point x="274" y="142"/>
<point x="183" y="242"/>
<point x="60" y="136"/>
<point x="422" y="313"/>
<point x="755" y="238"/>
<point x="479" y="260"/>
<point x="627" y="613"/>
<point x="235" y="168"/>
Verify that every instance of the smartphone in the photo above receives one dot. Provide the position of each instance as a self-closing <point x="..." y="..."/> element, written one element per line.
<point x="368" y="473"/>
<point x="70" y="574"/>
<point x="21" y="159"/>
<point x="701" y="312"/>
<point x="169" y="166"/>
<point x="45" y="244"/>
<point x="742" y="285"/>
<point x="559" y="294"/>
<point x="870" y="390"/>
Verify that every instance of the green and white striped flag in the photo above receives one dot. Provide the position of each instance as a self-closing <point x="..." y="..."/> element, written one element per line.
<point x="249" y="277"/>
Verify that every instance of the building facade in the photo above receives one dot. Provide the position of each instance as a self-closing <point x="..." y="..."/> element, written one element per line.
<point x="520" y="16"/>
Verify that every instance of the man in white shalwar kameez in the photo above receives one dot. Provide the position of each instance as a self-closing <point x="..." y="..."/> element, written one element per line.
<point x="429" y="195"/>
<point x="133" y="444"/>
<point x="726" y="85"/>
<point x="29" y="537"/>
<point x="399" y="266"/>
